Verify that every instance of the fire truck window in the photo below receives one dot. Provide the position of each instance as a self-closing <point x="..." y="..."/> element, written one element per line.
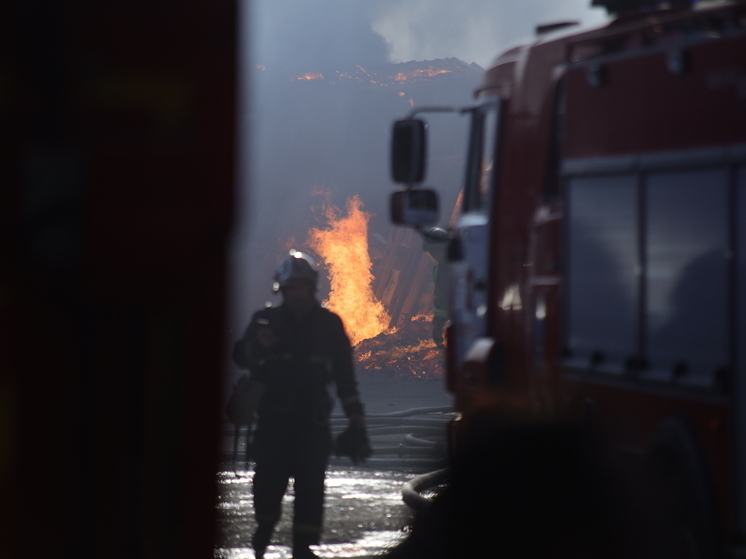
<point x="479" y="181"/>
<point x="488" y="159"/>
<point x="686" y="279"/>
<point x="602" y="282"/>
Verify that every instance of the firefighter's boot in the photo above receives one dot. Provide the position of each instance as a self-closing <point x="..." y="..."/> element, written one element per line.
<point x="303" y="552"/>
<point x="261" y="538"/>
<point x="301" y="546"/>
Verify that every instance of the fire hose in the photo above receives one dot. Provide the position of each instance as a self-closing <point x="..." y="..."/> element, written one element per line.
<point x="414" y="451"/>
<point x="413" y="489"/>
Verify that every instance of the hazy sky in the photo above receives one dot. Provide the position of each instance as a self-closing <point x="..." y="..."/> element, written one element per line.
<point x="472" y="30"/>
<point x="304" y="35"/>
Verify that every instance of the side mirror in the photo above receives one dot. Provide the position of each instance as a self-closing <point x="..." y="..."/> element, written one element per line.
<point x="414" y="207"/>
<point x="408" y="151"/>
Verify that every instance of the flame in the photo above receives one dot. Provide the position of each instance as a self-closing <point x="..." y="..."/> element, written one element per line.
<point x="310" y="76"/>
<point x="317" y="191"/>
<point x="385" y="77"/>
<point x="422" y="317"/>
<point x="344" y="249"/>
<point x="428" y="72"/>
<point x="364" y="71"/>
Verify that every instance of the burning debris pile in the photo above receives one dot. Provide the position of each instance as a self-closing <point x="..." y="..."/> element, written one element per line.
<point x="408" y="352"/>
<point x="392" y="75"/>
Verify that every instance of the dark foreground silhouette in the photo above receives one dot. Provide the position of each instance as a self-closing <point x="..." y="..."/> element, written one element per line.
<point x="525" y="489"/>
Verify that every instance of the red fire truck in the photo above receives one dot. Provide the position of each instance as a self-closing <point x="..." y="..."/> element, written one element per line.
<point x="599" y="256"/>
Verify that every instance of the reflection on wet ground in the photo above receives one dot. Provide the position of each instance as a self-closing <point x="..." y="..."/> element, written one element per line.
<point x="364" y="514"/>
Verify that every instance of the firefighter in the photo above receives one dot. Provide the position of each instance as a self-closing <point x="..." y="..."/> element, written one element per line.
<point x="435" y="243"/>
<point x="293" y="352"/>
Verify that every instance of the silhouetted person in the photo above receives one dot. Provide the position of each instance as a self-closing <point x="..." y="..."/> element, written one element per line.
<point x="293" y="352"/>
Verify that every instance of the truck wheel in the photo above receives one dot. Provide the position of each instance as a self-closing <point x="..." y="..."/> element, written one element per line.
<point x="676" y="487"/>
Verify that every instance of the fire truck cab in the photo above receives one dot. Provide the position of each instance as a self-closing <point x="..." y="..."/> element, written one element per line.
<point x="599" y="254"/>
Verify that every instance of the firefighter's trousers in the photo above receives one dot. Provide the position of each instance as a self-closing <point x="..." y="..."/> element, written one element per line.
<point x="291" y="446"/>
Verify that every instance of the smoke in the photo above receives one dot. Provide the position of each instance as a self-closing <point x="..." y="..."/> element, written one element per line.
<point x="472" y="30"/>
<point x="302" y="36"/>
<point x="338" y="137"/>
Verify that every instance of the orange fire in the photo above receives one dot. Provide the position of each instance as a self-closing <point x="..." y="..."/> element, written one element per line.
<point x="344" y="249"/>
<point x="363" y="70"/>
<point x="422" y="317"/>
<point x="310" y="76"/>
<point x="428" y="72"/>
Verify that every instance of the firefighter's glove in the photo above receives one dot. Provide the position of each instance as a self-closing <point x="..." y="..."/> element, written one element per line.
<point x="353" y="443"/>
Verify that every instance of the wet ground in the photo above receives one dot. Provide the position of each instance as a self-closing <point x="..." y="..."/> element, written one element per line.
<point x="364" y="514"/>
<point x="364" y="511"/>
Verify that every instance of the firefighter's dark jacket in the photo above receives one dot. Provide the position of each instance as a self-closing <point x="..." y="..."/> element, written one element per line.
<point x="313" y="351"/>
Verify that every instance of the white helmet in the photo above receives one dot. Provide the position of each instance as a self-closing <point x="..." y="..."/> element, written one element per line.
<point x="436" y="235"/>
<point x="298" y="265"/>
